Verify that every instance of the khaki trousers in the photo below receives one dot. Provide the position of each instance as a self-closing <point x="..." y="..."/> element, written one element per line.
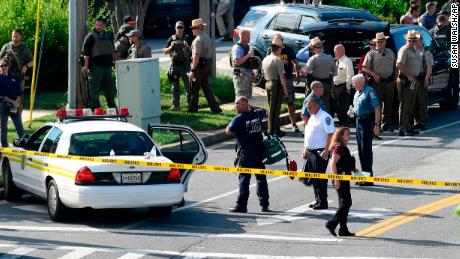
<point x="275" y="99"/>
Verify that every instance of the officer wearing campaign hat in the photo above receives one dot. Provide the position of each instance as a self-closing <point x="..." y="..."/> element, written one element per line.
<point x="379" y="63"/>
<point x="138" y="49"/>
<point x="410" y="72"/>
<point x="201" y="68"/>
<point x="273" y="68"/>
<point x="321" y="67"/>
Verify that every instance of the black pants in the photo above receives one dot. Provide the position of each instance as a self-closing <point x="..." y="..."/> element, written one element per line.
<point x="251" y="161"/>
<point x="340" y="98"/>
<point x="364" y="135"/>
<point x="316" y="164"/>
<point x="341" y="215"/>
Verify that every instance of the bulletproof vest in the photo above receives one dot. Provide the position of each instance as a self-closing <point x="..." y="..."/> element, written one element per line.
<point x="16" y="56"/>
<point x="102" y="45"/>
<point x="180" y="54"/>
<point x="246" y="63"/>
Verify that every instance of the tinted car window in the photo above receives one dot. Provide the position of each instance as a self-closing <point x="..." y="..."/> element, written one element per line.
<point x="36" y="139"/>
<point x="286" y="22"/>
<point x="51" y="141"/>
<point x="428" y="41"/>
<point x="123" y="143"/>
<point x="252" y="18"/>
<point x="327" y="16"/>
<point x="305" y="21"/>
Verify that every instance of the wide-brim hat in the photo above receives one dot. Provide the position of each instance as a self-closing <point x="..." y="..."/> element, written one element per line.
<point x="277" y="42"/>
<point x="379" y="36"/>
<point x="411" y="35"/>
<point x="315" y="42"/>
<point x="197" y="24"/>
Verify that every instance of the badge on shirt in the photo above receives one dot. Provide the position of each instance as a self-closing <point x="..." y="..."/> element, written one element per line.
<point x="328" y="121"/>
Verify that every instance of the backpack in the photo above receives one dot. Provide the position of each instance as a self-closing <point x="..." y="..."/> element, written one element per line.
<point x="180" y="54"/>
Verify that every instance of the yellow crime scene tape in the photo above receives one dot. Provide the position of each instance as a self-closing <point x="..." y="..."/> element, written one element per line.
<point x="226" y="169"/>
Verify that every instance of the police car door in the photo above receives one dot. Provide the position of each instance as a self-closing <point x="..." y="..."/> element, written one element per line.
<point x="180" y="144"/>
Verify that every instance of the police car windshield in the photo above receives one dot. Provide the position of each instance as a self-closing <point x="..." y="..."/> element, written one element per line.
<point x="123" y="143"/>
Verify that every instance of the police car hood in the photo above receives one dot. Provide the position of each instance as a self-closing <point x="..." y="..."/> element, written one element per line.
<point x="352" y="33"/>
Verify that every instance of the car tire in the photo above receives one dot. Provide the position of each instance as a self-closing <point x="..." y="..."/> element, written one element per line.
<point x="452" y="92"/>
<point x="56" y="209"/>
<point x="12" y="193"/>
<point x="160" y="212"/>
<point x="260" y="80"/>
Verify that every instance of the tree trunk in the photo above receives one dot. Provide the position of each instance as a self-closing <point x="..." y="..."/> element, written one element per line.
<point x="205" y="14"/>
<point x="82" y="17"/>
<point x="135" y="8"/>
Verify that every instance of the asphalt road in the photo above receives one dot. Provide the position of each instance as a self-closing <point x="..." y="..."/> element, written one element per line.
<point x="205" y="228"/>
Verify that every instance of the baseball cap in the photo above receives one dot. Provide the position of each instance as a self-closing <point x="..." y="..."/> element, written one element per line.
<point x="137" y="33"/>
<point x="180" y="24"/>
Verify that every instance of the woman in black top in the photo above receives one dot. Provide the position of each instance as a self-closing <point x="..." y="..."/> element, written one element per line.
<point x="342" y="163"/>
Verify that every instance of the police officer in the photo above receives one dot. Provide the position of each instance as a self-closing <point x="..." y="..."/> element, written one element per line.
<point x="317" y="90"/>
<point x="367" y="112"/>
<point x="441" y="31"/>
<point x="380" y="65"/>
<point x="409" y="65"/>
<point x="138" y="49"/>
<point x="178" y="48"/>
<point x="421" y="112"/>
<point x="18" y="55"/>
<point x="322" y="68"/>
<point x="318" y="134"/>
<point x="242" y="71"/>
<point x="273" y="68"/>
<point x="201" y="68"/>
<point x="122" y="44"/>
<point x="98" y="53"/>
<point x="342" y="83"/>
<point x="247" y="126"/>
<point x="128" y="23"/>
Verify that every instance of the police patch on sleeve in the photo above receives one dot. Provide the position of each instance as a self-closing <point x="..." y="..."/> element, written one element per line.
<point x="373" y="95"/>
<point x="328" y="121"/>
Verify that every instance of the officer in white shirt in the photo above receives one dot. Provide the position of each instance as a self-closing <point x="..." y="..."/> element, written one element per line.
<point x="318" y="134"/>
<point x="342" y="84"/>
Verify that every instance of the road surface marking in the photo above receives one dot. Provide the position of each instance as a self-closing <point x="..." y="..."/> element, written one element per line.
<point x="38" y="208"/>
<point x="166" y="253"/>
<point x="132" y="256"/>
<point x="78" y="253"/>
<point x="170" y="233"/>
<point x="408" y="216"/>
<point x="19" y="252"/>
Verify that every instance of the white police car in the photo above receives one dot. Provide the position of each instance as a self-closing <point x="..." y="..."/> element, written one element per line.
<point x="68" y="183"/>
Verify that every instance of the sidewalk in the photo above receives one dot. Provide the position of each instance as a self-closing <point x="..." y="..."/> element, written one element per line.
<point x="259" y="98"/>
<point x="35" y="114"/>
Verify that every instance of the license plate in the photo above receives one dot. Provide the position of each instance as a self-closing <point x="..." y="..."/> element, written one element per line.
<point x="131" y="178"/>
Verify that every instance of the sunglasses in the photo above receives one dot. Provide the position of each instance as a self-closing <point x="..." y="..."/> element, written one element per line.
<point x="412" y="40"/>
<point x="180" y="27"/>
<point x="3" y="65"/>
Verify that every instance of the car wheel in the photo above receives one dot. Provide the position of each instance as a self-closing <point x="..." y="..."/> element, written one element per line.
<point x="259" y="74"/>
<point x="160" y="212"/>
<point x="12" y="193"/>
<point x="452" y="91"/>
<point x="56" y="210"/>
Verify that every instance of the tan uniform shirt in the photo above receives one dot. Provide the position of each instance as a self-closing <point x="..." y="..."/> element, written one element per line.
<point x="381" y="63"/>
<point x="273" y="67"/>
<point x="409" y="57"/>
<point x="201" y="46"/>
<point x="321" y="66"/>
<point x="144" y="51"/>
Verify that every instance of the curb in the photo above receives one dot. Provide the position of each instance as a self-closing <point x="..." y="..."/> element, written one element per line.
<point x="218" y="136"/>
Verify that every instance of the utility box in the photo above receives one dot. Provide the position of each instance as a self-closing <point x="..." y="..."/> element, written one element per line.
<point x="138" y="85"/>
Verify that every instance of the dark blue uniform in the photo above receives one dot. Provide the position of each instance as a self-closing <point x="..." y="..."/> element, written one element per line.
<point x="305" y="112"/>
<point x="364" y="103"/>
<point x="247" y="127"/>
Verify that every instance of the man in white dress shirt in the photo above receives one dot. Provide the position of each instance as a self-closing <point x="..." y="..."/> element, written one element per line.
<point x="342" y="84"/>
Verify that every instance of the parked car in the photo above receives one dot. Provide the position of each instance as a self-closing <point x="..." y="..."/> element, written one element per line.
<point x="444" y="84"/>
<point x="65" y="183"/>
<point x="298" y="23"/>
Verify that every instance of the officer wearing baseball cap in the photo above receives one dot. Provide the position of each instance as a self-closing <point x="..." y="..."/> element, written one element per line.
<point x="138" y="49"/>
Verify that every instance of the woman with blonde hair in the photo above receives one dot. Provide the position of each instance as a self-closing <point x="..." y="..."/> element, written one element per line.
<point x="341" y="163"/>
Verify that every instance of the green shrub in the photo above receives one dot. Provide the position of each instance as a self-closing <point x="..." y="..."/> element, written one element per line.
<point x="22" y="14"/>
<point x="387" y="10"/>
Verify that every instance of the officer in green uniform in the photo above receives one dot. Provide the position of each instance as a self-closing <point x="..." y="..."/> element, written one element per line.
<point x="201" y="68"/>
<point x="122" y="44"/>
<point x="18" y="55"/>
<point x="273" y="69"/>
<point x="410" y="72"/>
<point x="98" y="54"/>
<point x="138" y="49"/>
<point x="322" y="67"/>
<point x="379" y="63"/>
<point x="421" y="111"/>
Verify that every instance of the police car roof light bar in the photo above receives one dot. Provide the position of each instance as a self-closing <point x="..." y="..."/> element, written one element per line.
<point x="86" y="114"/>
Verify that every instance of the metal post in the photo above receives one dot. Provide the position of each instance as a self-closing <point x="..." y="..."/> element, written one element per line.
<point x="72" y="63"/>
<point x="213" y="39"/>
